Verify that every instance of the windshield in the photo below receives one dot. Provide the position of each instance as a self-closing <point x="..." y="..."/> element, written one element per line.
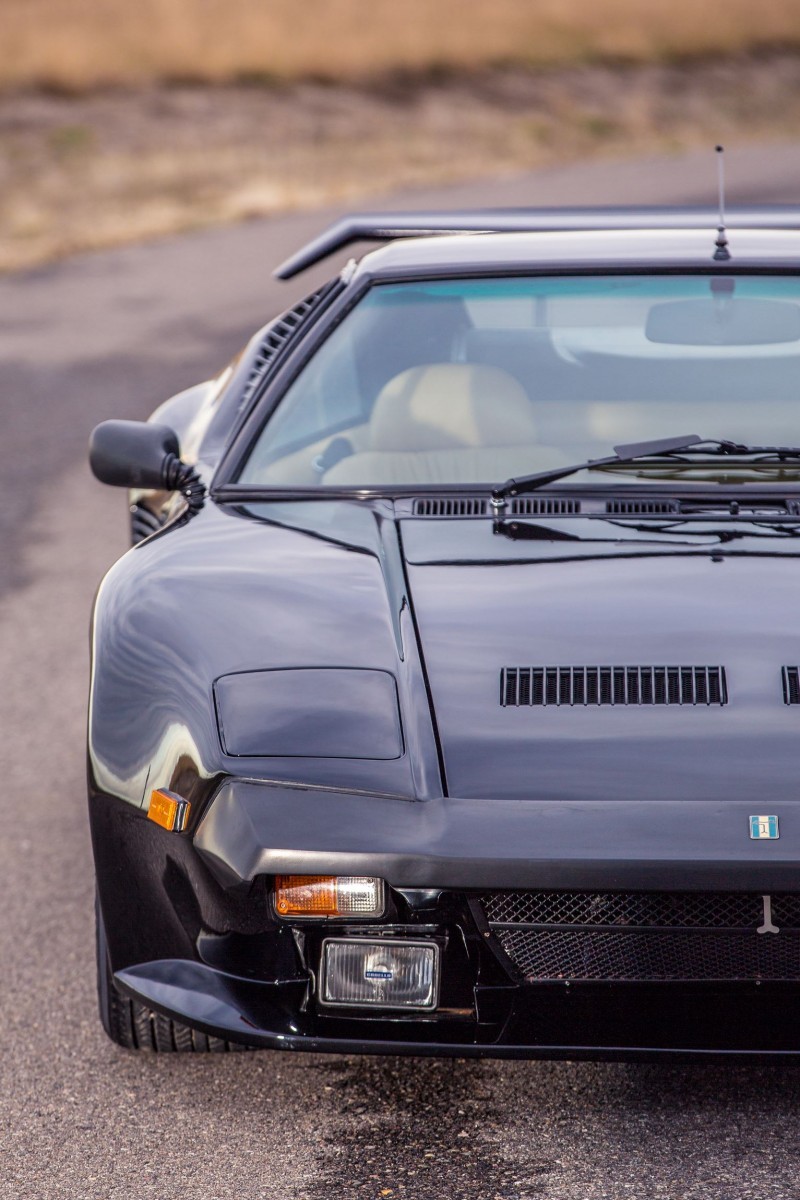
<point x="472" y="381"/>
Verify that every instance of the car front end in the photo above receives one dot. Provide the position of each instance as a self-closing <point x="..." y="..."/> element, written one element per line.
<point x="399" y="744"/>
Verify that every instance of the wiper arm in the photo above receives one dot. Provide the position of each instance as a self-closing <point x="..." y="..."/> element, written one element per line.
<point x="741" y="451"/>
<point x="622" y="454"/>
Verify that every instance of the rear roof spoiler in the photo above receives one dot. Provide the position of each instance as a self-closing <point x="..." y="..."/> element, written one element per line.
<point x="388" y="227"/>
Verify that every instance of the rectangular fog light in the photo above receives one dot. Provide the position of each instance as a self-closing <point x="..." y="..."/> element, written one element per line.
<point x="382" y="974"/>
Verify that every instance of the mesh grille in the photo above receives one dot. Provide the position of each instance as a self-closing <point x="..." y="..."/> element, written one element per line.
<point x="541" y="955"/>
<point x="278" y="335"/>
<point x="646" y="935"/>
<point x="715" y="910"/>
<point x="791" y="685"/>
<point x="522" y="686"/>
<point x="470" y="506"/>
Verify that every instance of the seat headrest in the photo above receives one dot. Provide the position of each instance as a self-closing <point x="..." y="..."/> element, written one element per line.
<point x="449" y="405"/>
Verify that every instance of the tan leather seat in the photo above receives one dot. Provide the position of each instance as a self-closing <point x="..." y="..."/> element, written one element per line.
<point x="449" y="405"/>
<point x="447" y="423"/>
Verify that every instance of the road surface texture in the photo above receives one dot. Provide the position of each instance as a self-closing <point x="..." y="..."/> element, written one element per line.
<point x="112" y="335"/>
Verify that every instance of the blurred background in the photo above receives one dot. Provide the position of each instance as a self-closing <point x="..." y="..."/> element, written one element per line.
<point x="120" y="121"/>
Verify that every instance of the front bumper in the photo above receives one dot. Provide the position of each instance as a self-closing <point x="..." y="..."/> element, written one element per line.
<point x="253" y="829"/>
<point x="192" y="933"/>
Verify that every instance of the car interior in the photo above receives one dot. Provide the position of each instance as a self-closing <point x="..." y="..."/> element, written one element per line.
<point x="439" y="389"/>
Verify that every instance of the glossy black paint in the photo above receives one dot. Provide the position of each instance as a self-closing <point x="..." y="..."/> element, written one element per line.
<point x="230" y="592"/>
<point x="266" y="714"/>
<point x="480" y="796"/>
<point x="251" y="830"/>
<point x="670" y="603"/>
<point x="626" y="1022"/>
<point x="564" y="797"/>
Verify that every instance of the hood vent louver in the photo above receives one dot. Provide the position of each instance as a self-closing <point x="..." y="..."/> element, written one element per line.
<point x="624" y="508"/>
<point x="552" y="686"/>
<point x="471" y="506"/>
<point x="791" y="685"/>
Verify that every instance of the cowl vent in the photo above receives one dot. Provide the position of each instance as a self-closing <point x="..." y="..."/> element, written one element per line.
<point x="448" y="506"/>
<point x="791" y="685"/>
<point x="548" y="686"/>
<point x="523" y="506"/>
<point x="535" y="506"/>
<point x="624" y="508"/>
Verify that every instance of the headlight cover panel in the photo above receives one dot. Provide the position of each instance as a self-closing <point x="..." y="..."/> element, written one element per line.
<point x="326" y="712"/>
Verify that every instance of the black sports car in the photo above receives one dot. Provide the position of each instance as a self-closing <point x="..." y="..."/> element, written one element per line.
<point x="449" y="699"/>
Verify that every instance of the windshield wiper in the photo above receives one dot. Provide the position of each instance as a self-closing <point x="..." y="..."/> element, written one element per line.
<point x="622" y="454"/>
<point x="743" y="451"/>
<point x="691" y="444"/>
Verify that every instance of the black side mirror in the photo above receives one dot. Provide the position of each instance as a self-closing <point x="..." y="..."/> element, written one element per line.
<point x="135" y="454"/>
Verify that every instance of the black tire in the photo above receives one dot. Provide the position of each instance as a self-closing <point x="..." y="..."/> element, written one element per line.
<point x="133" y="1025"/>
<point x="144" y="522"/>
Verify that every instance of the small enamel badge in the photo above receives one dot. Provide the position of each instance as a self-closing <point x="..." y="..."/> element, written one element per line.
<point x="764" y="827"/>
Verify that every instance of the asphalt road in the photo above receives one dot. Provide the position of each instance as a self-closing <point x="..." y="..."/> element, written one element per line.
<point x="113" y="334"/>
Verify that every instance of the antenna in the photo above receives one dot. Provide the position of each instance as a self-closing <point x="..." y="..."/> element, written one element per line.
<point x="721" y="253"/>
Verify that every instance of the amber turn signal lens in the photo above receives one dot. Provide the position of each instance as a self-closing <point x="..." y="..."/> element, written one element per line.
<point x="328" y="896"/>
<point x="306" y="895"/>
<point x="168" y="810"/>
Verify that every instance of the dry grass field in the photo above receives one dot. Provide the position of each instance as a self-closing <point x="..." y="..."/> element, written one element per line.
<point x="98" y="169"/>
<point x="127" y="119"/>
<point x="79" y="44"/>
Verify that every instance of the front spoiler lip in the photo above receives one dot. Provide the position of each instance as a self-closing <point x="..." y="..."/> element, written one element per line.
<point x="253" y="829"/>
<point x="210" y="1001"/>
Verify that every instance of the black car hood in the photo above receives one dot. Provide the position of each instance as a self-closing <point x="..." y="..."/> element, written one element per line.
<point x="326" y="585"/>
<point x="484" y="603"/>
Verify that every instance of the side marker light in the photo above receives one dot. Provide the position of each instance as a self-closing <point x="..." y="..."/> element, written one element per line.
<point x="169" y="810"/>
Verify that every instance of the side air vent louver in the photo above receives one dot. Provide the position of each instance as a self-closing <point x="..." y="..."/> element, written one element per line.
<point x="528" y="686"/>
<point x="464" y="506"/>
<point x="626" y="508"/>
<point x="279" y="333"/>
<point x="791" y="685"/>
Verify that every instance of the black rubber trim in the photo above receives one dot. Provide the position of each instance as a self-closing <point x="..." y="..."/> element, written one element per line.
<point x="217" y="1003"/>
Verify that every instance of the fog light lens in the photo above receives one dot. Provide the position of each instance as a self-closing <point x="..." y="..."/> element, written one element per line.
<point x="385" y="974"/>
<point x="328" y="896"/>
